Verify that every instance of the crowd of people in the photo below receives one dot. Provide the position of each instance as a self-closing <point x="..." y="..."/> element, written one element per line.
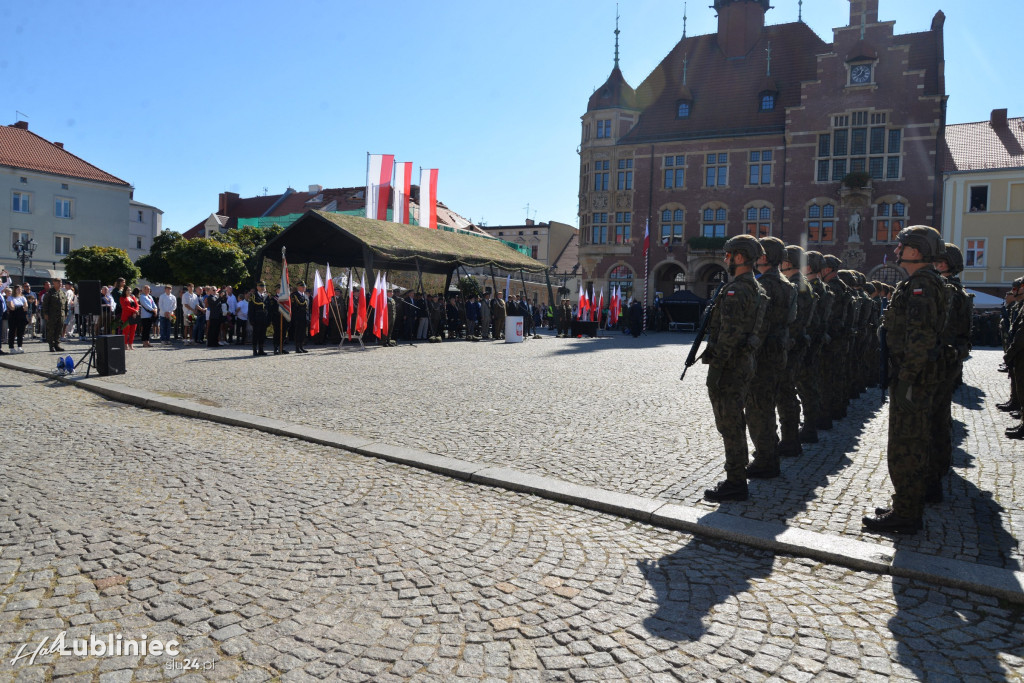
<point x="784" y="340"/>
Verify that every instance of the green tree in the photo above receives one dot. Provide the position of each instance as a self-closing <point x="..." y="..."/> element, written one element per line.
<point x="249" y="240"/>
<point x="154" y="266"/>
<point x="469" y="287"/>
<point x="207" y="261"/>
<point x="105" y="264"/>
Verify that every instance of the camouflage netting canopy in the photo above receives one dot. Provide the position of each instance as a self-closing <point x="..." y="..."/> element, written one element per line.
<point x="352" y="241"/>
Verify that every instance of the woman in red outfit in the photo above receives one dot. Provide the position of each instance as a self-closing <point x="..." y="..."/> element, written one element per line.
<point x="130" y="316"/>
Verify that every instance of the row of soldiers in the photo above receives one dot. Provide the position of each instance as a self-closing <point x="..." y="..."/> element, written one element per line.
<point x="1012" y="329"/>
<point x="806" y="335"/>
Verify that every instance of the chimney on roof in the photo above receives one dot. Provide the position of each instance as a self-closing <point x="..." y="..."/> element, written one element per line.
<point x="226" y="201"/>
<point x="316" y="189"/>
<point x="59" y="144"/>
<point x="529" y="221"/>
<point x="740" y="23"/>
<point x="866" y="10"/>
<point x="998" y="119"/>
<point x="21" y="124"/>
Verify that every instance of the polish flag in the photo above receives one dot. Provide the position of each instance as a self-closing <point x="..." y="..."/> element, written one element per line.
<point x="428" y="198"/>
<point x="318" y="302"/>
<point x="403" y="181"/>
<point x="284" y="299"/>
<point x="379" y="169"/>
<point x="600" y="305"/>
<point x="361" y="313"/>
<point x="375" y="303"/>
<point x="328" y="293"/>
<point x="647" y="237"/>
<point x="579" y="305"/>
<point x="384" y="327"/>
<point x="351" y="306"/>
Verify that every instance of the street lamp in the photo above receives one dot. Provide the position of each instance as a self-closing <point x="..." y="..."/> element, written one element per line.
<point x="24" y="248"/>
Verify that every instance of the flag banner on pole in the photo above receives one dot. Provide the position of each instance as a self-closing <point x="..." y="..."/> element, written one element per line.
<point x="379" y="170"/>
<point x="508" y="285"/>
<point x="403" y="184"/>
<point x="318" y="301"/>
<point x="361" y="314"/>
<point x="284" y="299"/>
<point x="600" y="306"/>
<point x="647" y="262"/>
<point x="385" y="327"/>
<point x="428" y="198"/>
<point x="579" y="305"/>
<point x="328" y="292"/>
<point x="351" y="306"/>
<point x="375" y="302"/>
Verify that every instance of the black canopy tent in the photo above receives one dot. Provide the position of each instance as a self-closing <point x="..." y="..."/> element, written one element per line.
<point x="353" y="241"/>
<point x="683" y="307"/>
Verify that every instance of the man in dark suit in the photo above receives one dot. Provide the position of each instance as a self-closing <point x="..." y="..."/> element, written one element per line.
<point x="300" y="317"/>
<point x="258" y="312"/>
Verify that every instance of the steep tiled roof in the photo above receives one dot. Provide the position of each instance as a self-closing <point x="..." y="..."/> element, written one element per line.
<point x="978" y="146"/>
<point x="725" y="91"/>
<point x="21" y="148"/>
<point x="615" y="93"/>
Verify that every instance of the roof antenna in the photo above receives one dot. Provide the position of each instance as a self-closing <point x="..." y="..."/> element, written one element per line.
<point x="769" y="51"/>
<point x="684" y="22"/>
<point x="19" y="115"/>
<point x="616" y="35"/>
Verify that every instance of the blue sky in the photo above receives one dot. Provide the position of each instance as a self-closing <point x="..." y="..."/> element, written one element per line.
<point x="188" y="99"/>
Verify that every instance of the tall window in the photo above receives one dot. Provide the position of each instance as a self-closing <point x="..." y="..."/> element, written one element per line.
<point x="859" y="143"/>
<point x="890" y="218"/>
<point x="601" y="175"/>
<point x="758" y="221"/>
<point x="675" y="171"/>
<point x="761" y="167"/>
<point x="599" y="229"/>
<point x="61" y="245"/>
<point x="821" y="222"/>
<point x="621" y="276"/>
<point x="672" y="226"/>
<point x="533" y="251"/>
<point x="625" y="180"/>
<point x="622" y="222"/>
<point x="62" y="208"/>
<point x="683" y="110"/>
<point x="604" y="128"/>
<point x="21" y="202"/>
<point x="974" y="254"/>
<point x="768" y="102"/>
<point x="713" y="222"/>
<point x="717" y="169"/>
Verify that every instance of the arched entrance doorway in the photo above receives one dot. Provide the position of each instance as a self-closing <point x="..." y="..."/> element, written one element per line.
<point x="708" y="280"/>
<point x="669" y="278"/>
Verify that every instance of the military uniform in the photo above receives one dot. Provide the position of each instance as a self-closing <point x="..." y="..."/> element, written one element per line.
<point x="258" y="312"/>
<point x="811" y="379"/>
<point x="498" y="316"/>
<point x="956" y="341"/>
<point x="300" y="320"/>
<point x="796" y="361"/>
<point x="836" y="352"/>
<point x="55" y="308"/>
<point x="564" y="318"/>
<point x="732" y="343"/>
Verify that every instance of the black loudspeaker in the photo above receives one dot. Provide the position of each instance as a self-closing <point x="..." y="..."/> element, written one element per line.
<point x="110" y="354"/>
<point x="89" y="297"/>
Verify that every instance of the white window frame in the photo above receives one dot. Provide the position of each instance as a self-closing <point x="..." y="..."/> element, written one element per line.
<point x="24" y="198"/>
<point x="984" y="252"/>
<point x="67" y="202"/>
<point x="59" y="236"/>
<point x="1006" y="241"/>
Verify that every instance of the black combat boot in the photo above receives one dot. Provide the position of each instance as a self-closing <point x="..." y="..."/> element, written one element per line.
<point x="892" y="524"/>
<point x="790" y="449"/>
<point x="933" y="494"/>
<point x="808" y="435"/>
<point x="727" y="490"/>
<point x="824" y="423"/>
<point x="762" y="470"/>
<point x="1016" y="432"/>
<point x="1008" y="406"/>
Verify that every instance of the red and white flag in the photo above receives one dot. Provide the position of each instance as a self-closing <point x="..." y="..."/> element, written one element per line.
<point x="428" y="198"/>
<point x="328" y="292"/>
<point x="384" y="327"/>
<point x="403" y="184"/>
<point x="351" y="305"/>
<point x="318" y="301"/>
<point x="361" y="313"/>
<point x="284" y="299"/>
<point x="375" y="302"/>
<point x="600" y="305"/>
<point x="647" y="237"/>
<point x="579" y="305"/>
<point x="379" y="169"/>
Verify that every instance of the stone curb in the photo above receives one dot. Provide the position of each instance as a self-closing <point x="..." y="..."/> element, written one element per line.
<point x="772" y="536"/>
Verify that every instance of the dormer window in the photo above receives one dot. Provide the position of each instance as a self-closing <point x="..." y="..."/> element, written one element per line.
<point x="683" y="110"/>
<point x="767" y="101"/>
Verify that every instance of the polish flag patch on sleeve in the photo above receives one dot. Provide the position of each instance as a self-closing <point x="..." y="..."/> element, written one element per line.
<point x="917" y="292"/>
<point x="730" y="293"/>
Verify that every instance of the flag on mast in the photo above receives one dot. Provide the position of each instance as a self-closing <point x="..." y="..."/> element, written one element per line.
<point x="318" y="302"/>
<point x="428" y="198"/>
<point x="328" y="292"/>
<point x="385" y="328"/>
<point x="403" y="185"/>
<point x="284" y="299"/>
<point x="351" y="305"/>
<point x="379" y="169"/>
<point x="361" y="314"/>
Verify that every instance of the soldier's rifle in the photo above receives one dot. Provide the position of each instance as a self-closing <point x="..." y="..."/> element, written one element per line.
<point x="705" y="320"/>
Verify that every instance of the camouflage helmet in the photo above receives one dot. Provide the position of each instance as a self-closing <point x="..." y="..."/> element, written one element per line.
<point x="925" y="239"/>
<point x="746" y="245"/>
<point x="954" y="258"/>
<point x="815" y="261"/>
<point x="861" y="278"/>
<point x="832" y="262"/>
<point x="794" y="253"/>
<point x="774" y="249"/>
<point x="869" y="288"/>
<point x="848" y="277"/>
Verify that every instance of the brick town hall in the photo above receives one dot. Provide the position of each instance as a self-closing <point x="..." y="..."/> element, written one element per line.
<point x="767" y="130"/>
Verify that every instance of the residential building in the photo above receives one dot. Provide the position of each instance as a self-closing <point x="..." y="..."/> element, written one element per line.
<point x="144" y="223"/>
<point x="553" y="244"/>
<point x="56" y="199"/>
<point x="767" y="130"/>
<point x="983" y="177"/>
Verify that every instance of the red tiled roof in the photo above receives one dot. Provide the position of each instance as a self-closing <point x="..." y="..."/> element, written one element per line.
<point x="21" y="148"/>
<point x="615" y="93"/>
<point x="725" y="91"/>
<point x="979" y="146"/>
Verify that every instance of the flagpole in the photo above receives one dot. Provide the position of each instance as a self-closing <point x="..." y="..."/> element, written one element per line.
<point x="647" y="261"/>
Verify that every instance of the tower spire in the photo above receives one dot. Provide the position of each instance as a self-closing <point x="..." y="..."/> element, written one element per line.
<point x="616" y="35"/>
<point x="685" y="60"/>
<point x="800" y="10"/>
<point x="863" y="21"/>
<point x="769" y="51"/>
<point x="684" y="21"/>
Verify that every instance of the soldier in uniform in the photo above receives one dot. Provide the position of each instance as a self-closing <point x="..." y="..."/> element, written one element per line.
<point x="564" y="317"/>
<point x="811" y="382"/>
<point x="956" y="345"/>
<point x="770" y="362"/>
<point x="1013" y="357"/>
<point x="55" y="310"/>
<point x="796" y="360"/>
<point x="732" y="343"/>
<point x="300" y="317"/>
<point x="277" y="321"/>
<point x="838" y="347"/>
<point x="258" y="312"/>
<point x="498" y="315"/>
<point x="914" y="322"/>
<point x="485" y="316"/>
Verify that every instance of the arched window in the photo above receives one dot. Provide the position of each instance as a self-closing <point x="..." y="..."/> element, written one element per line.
<point x="758" y="221"/>
<point x="620" y="276"/>
<point x="683" y="110"/>
<point x="890" y="218"/>
<point x="672" y="222"/>
<point x="713" y="221"/>
<point x="767" y="101"/>
<point x="821" y="221"/>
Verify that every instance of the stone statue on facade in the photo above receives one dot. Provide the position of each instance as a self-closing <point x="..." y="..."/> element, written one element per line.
<point x="854" y="227"/>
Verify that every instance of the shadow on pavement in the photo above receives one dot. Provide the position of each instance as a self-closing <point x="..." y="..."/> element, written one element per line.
<point x="969" y="397"/>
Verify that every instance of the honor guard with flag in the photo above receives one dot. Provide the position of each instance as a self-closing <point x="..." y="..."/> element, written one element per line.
<point x="258" y="312"/>
<point x="300" y="317"/>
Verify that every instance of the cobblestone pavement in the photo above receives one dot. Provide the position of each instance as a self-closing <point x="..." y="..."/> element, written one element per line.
<point x="612" y="413"/>
<point x="268" y="557"/>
